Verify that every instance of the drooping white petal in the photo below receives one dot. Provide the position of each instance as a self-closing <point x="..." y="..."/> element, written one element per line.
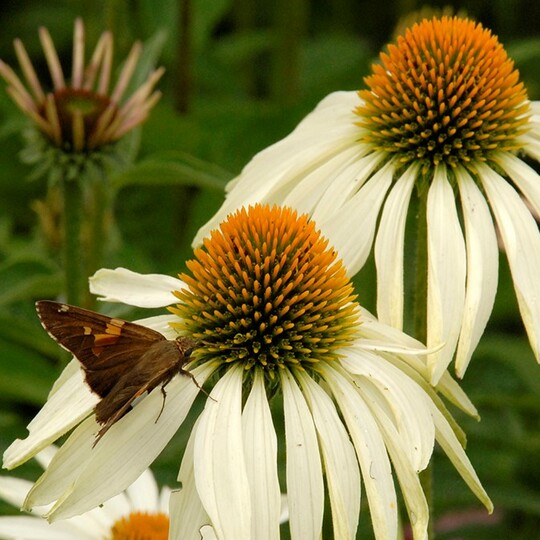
<point x="65" y="467"/>
<point x="160" y="323"/>
<point x="130" y="446"/>
<point x="324" y="133"/>
<point x="389" y="250"/>
<point x="324" y="189"/>
<point x="207" y="533"/>
<point x="66" y="407"/>
<point x="260" y="450"/>
<point x="220" y="468"/>
<point x="143" y="494"/>
<point x="33" y="528"/>
<point x="352" y="228"/>
<point x="407" y="402"/>
<point x="305" y="489"/>
<point x="446" y="273"/>
<point x="164" y="498"/>
<point x="346" y="181"/>
<point x="522" y="243"/>
<point x="110" y="511"/>
<point x="482" y="268"/>
<point x="45" y="456"/>
<point x="370" y="451"/>
<point x="453" y="449"/>
<point x="186" y="511"/>
<point x="412" y="491"/>
<point x="14" y="490"/>
<point x="524" y="176"/>
<point x="414" y="364"/>
<point x="340" y="463"/>
<point x="141" y="290"/>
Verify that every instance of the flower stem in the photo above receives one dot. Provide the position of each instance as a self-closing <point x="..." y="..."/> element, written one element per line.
<point x="420" y="324"/>
<point x="72" y="240"/>
<point x="99" y="230"/>
<point x="420" y="288"/>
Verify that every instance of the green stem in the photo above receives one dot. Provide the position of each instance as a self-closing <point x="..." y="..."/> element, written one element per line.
<point x="420" y="325"/>
<point x="420" y="288"/>
<point x="99" y="228"/>
<point x="183" y="86"/>
<point x="72" y="241"/>
<point x="290" y="27"/>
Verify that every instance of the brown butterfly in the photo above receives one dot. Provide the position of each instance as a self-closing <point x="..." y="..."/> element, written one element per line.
<point x="121" y="360"/>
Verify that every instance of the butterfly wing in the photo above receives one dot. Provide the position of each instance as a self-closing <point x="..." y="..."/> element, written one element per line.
<point x="105" y="346"/>
<point x="157" y="366"/>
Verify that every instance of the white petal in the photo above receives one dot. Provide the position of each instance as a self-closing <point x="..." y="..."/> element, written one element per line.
<point x="220" y="469"/>
<point x="482" y="268"/>
<point x="324" y="189"/>
<point x="32" y="528"/>
<point x="321" y="135"/>
<point x="65" y="467"/>
<point x="260" y="450"/>
<point x="371" y="454"/>
<point x="352" y="227"/>
<point x="207" y="533"/>
<point x="346" y="180"/>
<point x="522" y="242"/>
<point x="110" y="511"/>
<point x="525" y="178"/>
<point x="44" y="457"/>
<point x="143" y="494"/>
<point x="409" y="405"/>
<point x="160" y="323"/>
<point x="452" y="448"/>
<point x="130" y="446"/>
<point x="389" y="250"/>
<point x="340" y="463"/>
<point x="141" y="290"/>
<point x="66" y="407"/>
<point x="284" y="515"/>
<point x="411" y="489"/>
<point x="305" y="490"/>
<point x="14" y="490"/>
<point x="446" y="273"/>
<point x="186" y="511"/>
<point x="413" y="365"/>
<point x="164" y="499"/>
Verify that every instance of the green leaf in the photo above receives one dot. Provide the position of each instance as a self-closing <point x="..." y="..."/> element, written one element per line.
<point x="21" y="332"/>
<point x="174" y="168"/>
<point x="26" y="278"/>
<point x="26" y="376"/>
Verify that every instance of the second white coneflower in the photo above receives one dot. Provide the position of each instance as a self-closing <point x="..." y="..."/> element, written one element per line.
<point x="444" y="117"/>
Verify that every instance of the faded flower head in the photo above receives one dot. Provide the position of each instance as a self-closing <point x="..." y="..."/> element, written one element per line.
<point x="279" y="338"/>
<point x="86" y="112"/>
<point x="445" y="118"/>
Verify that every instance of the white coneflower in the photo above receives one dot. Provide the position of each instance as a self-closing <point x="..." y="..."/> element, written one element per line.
<point x="273" y="315"/>
<point x="84" y="113"/>
<point x="444" y="117"/>
<point x="140" y="512"/>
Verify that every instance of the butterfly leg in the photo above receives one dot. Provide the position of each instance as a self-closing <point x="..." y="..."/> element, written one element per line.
<point x="192" y="377"/>
<point x="163" y="402"/>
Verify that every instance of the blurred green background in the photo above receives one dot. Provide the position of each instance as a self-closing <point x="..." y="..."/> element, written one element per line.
<point x="240" y="75"/>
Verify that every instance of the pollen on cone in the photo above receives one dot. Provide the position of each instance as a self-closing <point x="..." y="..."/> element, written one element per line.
<point x="267" y="290"/>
